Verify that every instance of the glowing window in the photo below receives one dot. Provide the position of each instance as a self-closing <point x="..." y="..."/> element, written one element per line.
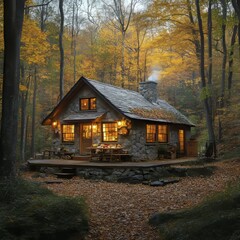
<point x="88" y="104"/>
<point x="68" y="133"/>
<point x="181" y="140"/>
<point x="162" y="133"/>
<point x="151" y="133"/>
<point x="109" y="131"/>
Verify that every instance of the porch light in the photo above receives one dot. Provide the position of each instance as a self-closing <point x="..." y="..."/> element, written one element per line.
<point x="54" y="124"/>
<point x="124" y="123"/>
<point x="119" y="123"/>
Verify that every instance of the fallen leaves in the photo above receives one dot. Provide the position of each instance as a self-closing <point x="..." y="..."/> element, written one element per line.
<point x="121" y="211"/>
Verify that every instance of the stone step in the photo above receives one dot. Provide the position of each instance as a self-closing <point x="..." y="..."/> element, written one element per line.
<point x="68" y="170"/>
<point x="65" y="175"/>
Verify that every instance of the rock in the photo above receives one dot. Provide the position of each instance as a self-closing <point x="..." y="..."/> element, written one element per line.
<point x="128" y="173"/>
<point x="145" y="182"/>
<point x="147" y="177"/>
<point x="157" y="184"/>
<point x="169" y="181"/>
<point x="138" y="177"/>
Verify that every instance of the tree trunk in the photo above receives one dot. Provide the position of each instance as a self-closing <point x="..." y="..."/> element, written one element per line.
<point x="13" y="20"/>
<point x="123" y="59"/>
<point x="34" y="113"/>
<point x="224" y="47"/>
<point x="211" y="151"/>
<point x="61" y="50"/>
<point x="230" y="63"/>
<point x="24" y="98"/>
<point x="210" y="55"/>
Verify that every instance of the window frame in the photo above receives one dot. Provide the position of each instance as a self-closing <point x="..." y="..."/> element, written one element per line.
<point x="103" y="140"/>
<point x="64" y="134"/>
<point x="157" y="133"/>
<point x="148" y="133"/>
<point x="165" y="134"/>
<point x="90" y="104"/>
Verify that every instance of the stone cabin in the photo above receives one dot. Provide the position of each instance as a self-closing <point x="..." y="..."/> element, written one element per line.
<point x="94" y="113"/>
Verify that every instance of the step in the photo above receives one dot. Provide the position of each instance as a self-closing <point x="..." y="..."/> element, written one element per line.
<point x="68" y="170"/>
<point x="65" y="175"/>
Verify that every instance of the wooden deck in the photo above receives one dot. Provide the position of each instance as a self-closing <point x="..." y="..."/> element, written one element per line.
<point x="87" y="164"/>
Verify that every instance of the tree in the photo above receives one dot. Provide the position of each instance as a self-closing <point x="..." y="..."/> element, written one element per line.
<point x="13" y="21"/>
<point x="122" y="14"/>
<point x="211" y="151"/>
<point x="61" y="49"/>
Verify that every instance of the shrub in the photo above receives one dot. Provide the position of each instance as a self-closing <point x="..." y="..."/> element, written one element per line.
<point x="217" y="218"/>
<point x="28" y="211"/>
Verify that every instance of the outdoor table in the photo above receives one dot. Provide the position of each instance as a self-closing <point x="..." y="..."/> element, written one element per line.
<point x="106" y="153"/>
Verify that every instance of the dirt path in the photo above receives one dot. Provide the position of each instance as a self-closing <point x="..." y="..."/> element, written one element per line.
<point x="121" y="211"/>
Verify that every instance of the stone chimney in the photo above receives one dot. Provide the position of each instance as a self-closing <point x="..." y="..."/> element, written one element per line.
<point x="148" y="90"/>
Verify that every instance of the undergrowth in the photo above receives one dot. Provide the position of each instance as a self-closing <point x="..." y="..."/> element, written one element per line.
<point x="28" y="211"/>
<point x="218" y="218"/>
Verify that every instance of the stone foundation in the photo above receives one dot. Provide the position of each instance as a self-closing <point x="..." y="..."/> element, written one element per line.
<point x="139" y="175"/>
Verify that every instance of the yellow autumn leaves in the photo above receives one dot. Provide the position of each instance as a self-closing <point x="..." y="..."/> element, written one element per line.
<point x="34" y="45"/>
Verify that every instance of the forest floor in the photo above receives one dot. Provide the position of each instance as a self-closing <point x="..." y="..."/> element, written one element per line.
<point x="120" y="211"/>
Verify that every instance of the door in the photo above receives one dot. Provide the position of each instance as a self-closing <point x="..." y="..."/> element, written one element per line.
<point x="181" y="139"/>
<point x="86" y="137"/>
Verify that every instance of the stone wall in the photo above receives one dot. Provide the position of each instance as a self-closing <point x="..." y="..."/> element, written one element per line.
<point x="129" y="175"/>
<point x="141" y="175"/>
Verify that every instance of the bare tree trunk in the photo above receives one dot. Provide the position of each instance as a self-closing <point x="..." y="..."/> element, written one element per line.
<point x="34" y="113"/>
<point x="42" y="16"/>
<point x="74" y="35"/>
<point x="230" y="63"/>
<point x="24" y="98"/>
<point x="61" y="49"/>
<point x="145" y="66"/>
<point x="13" y="20"/>
<point x="123" y="59"/>
<point x="224" y="47"/>
<point x="211" y="151"/>
<point x="210" y="55"/>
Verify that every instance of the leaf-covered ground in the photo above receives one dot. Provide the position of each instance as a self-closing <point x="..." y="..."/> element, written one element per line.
<point x="121" y="211"/>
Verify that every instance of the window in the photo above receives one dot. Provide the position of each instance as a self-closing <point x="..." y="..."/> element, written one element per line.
<point x="157" y="133"/>
<point x="68" y="133"/>
<point x="151" y="133"/>
<point x="88" y="104"/>
<point x="181" y="140"/>
<point x="93" y="104"/>
<point x="110" y="132"/>
<point x="162" y="133"/>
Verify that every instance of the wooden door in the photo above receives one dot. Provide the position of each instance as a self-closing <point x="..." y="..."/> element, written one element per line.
<point x="181" y="139"/>
<point x="86" y="137"/>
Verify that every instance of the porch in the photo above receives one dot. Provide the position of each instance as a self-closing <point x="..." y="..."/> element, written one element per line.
<point x="88" y="163"/>
<point x="125" y="172"/>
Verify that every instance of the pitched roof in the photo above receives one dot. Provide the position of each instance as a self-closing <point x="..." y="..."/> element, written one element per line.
<point x="130" y="103"/>
<point x="83" y="116"/>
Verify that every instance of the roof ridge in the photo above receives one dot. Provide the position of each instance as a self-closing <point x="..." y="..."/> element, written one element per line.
<point x="110" y="85"/>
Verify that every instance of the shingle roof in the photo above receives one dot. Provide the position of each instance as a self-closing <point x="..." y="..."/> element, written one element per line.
<point x="83" y="116"/>
<point x="133" y="105"/>
<point x="130" y="103"/>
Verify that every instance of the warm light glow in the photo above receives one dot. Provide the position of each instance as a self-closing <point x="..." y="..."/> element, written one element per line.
<point x="94" y="128"/>
<point x="54" y="124"/>
<point x="119" y="123"/>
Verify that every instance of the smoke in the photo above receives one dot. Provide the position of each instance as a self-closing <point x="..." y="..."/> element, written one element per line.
<point x="155" y="75"/>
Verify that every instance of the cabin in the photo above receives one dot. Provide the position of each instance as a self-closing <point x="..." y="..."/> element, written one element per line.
<point x="96" y="115"/>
